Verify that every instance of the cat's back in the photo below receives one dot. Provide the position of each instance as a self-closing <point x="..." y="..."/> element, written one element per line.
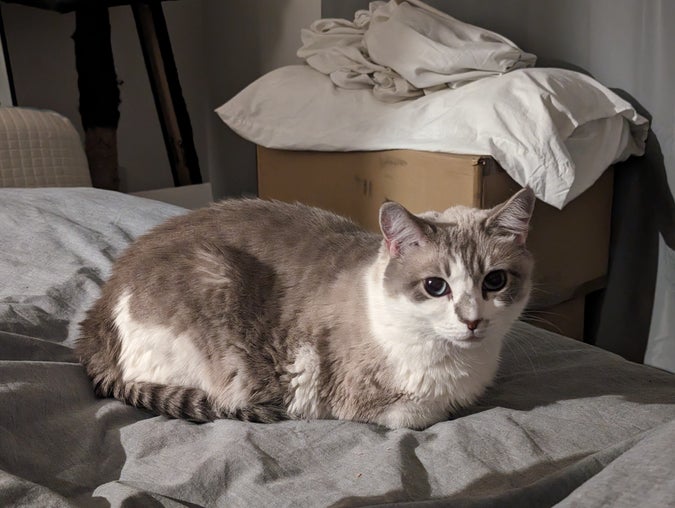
<point x="289" y="236"/>
<point x="240" y="254"/>
<point x="277" y="219"/>
<point x="251" y="221"/>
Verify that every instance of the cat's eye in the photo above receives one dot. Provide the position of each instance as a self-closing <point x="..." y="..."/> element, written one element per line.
<point x="494" y="281"/>
<point x="436" y="287"/>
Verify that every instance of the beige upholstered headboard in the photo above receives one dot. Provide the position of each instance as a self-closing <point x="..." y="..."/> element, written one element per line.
<point x="40" y="149"/>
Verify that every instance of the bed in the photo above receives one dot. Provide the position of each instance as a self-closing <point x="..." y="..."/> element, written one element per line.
<point x="564" y="422"/>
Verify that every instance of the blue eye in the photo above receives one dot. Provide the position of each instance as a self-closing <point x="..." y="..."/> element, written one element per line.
<point x="436" y="287"/>
<point x="494" y="281"/>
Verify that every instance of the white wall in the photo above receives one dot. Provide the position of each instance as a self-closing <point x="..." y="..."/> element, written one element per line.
<point x="219" y="48"/>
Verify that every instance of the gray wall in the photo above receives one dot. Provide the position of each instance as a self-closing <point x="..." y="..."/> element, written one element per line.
<point x="245" y="39"/>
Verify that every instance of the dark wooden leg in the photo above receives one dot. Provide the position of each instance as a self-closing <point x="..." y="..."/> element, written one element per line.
<point x="173" y="115"/>
<point x="99" y="94"/>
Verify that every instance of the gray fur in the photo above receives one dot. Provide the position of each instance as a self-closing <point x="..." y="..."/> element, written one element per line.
<point x="253" y="283"/>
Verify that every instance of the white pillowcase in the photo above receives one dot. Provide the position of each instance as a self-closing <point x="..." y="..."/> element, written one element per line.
<point x="552" y="129"/>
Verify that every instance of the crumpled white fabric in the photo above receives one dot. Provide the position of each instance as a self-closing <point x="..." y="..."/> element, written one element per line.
<point x="552" y="129"/>
<point x="402" y="50"/>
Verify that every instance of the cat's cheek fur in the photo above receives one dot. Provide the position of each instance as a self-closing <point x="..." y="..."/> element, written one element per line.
<point x="436" y="374"/>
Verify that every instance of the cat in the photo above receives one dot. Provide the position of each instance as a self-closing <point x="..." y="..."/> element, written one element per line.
<point x="262" y="311"/>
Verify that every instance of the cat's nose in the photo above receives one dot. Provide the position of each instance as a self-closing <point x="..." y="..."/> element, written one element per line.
<point x="472" y="325"/>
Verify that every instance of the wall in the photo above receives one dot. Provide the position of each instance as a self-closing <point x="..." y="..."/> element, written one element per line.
<point x="245" y="39"/>
<point x="219" y="48"/>
<point x="628" y="45"/>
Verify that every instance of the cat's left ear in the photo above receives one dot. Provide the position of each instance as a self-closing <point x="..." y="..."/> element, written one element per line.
<point x="512" y="218"/>
<point x="401" y="229"/>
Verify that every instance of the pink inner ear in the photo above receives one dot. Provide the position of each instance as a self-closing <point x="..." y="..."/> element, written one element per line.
<point x="391" y="247"/>
<point x="400" y="229"/>
<point x="521" y="238"/>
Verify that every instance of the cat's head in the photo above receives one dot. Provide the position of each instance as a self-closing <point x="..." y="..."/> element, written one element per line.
<point x="462" y="275"/>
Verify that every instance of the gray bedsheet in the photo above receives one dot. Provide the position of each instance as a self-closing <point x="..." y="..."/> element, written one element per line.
<point x="564" y="423"/>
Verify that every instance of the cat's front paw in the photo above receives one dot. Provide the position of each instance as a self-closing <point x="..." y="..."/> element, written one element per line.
<point x="411" y="416"/>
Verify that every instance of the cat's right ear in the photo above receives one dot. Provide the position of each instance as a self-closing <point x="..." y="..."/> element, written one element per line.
<point x="512" y="218"/>
<point x="401" y="229"/>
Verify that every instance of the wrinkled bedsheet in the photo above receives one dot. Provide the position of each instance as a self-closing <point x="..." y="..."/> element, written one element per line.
<point x="564" y="422"/>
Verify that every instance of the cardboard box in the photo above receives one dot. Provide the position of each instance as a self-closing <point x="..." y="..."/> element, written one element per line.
<point x="570" y="246"/>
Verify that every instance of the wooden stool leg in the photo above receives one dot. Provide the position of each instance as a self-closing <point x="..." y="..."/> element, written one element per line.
<point x="173" y="115"/>
<point x="99" y="94"/>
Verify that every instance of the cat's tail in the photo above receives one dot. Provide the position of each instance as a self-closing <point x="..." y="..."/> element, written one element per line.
<point x="181" y="402"/>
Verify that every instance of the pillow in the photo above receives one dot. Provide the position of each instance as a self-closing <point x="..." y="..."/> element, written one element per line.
<point x="555" y="130"/>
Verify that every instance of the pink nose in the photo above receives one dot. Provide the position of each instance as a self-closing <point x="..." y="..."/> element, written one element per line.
<point x="472" y="325"/>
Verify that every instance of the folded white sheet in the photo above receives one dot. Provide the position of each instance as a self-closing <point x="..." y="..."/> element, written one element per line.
<point x="402" y="50"/>
<point x="552" y="129"/>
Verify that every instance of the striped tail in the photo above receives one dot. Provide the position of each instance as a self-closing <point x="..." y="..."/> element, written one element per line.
<point x="181" y="402"/>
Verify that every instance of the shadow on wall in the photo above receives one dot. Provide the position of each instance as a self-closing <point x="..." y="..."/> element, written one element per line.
<point x="237" y="34"/>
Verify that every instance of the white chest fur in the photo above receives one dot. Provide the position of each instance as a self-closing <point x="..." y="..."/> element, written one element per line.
<point x="304" y="384"/>
<point x="435" y="373"/>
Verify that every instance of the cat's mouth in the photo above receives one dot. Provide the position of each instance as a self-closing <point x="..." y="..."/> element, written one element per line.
<point x="470" y="338"/>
